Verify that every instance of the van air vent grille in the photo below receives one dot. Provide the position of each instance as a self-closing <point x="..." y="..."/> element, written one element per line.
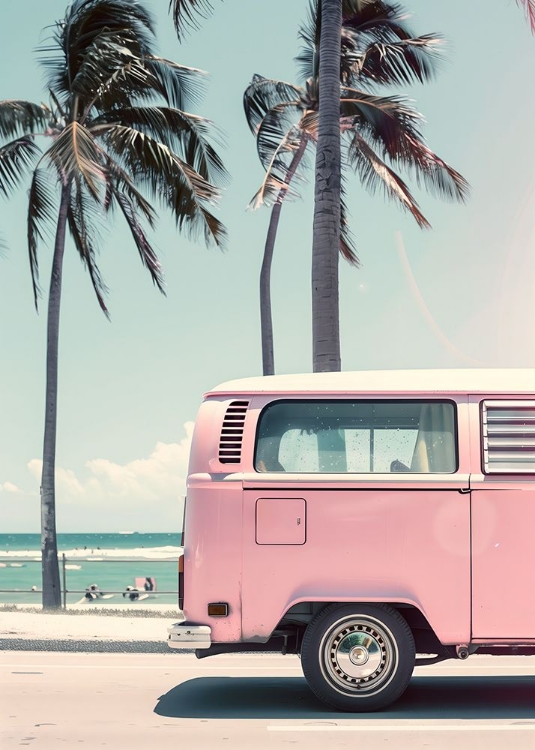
<point x="230" y="442"/>
<point x="509" y="437"/>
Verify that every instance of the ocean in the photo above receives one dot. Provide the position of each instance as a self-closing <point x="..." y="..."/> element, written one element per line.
<point x="110" y="561"/>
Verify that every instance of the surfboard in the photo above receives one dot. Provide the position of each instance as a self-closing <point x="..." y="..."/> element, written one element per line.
<point x="96" y="599"/>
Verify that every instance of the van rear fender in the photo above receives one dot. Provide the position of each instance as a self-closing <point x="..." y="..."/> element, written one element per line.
<point x="301" y="610"/>
<point x="425" y="637"/>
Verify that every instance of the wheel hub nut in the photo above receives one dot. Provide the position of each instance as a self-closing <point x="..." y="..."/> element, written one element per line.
<point x="359" y="655"/>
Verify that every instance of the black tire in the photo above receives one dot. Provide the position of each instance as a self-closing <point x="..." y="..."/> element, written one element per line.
<point x="358" y="657"/>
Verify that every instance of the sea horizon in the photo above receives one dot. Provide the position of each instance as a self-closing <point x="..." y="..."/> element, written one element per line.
<point x="110" y="560"/>
<point x="82" y="531"/>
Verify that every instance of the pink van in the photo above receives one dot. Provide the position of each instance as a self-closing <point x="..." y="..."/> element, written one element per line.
<point x="368" y="521"/>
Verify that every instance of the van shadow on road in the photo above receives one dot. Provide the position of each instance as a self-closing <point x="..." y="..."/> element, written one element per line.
<point x="290" y="698"/>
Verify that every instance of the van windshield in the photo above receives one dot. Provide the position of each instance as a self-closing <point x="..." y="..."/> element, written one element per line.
<point x="335" y="436"/>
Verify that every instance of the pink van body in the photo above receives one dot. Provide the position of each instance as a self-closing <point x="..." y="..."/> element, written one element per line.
<point x="454" y="553"/>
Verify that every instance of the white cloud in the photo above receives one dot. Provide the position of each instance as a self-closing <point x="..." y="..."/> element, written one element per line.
<point x="161" y="475"/>
<point x="142" y="494"/>
<point x="9" y="487"/>
<point x="159" y="478"/>
<point x="65" y="478"/>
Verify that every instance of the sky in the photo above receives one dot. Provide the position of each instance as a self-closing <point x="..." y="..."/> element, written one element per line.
<point x="459" y="295"/>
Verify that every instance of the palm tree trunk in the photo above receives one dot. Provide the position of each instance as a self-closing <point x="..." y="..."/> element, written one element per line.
<point x="266" y="320"/>
<point x="326" y="238"/>
<point x="49" y="547"/>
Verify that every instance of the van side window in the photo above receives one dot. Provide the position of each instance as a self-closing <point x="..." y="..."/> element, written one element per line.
<point x="319" y="436"/>
<point x="508" y="429"/>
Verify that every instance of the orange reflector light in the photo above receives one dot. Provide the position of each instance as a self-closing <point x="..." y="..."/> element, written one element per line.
<point x="218" y="609"/>
<point x="181" y="564"/>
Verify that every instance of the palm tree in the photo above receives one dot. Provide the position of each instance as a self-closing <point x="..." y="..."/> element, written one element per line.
<point x="116" y="128"/>
<point x="377" y="48"/>
<point x="327" y="199"/>
<point x="327" y="206"/>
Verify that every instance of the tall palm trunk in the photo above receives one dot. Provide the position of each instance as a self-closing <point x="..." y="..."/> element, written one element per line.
<point x="49" y="547"/>
<point x="326" y="239"/>
<point x="266" y="321"/>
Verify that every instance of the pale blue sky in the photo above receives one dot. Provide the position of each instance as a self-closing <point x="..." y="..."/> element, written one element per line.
<point x="127" y="388"/>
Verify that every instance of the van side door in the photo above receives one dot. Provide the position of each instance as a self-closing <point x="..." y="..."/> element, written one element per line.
<point x="358" y="499"/>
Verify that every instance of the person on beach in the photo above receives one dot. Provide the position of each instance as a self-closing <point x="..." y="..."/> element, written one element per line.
<point x="132" y="593"/>
<point x="93" y="592"/>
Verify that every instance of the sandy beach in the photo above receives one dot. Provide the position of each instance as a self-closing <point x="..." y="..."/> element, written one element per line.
<point x="85" y="631"/>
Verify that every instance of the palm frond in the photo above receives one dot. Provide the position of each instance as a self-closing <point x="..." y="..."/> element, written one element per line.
<point x="57" y="111"/>
<point x="375" y="21"/>
<point x="132" y="79"/>
<point x="384" y="121"/>
<point x="19" y="117"/>
<point x="529" y="7"/>
<point x="391" y="126"/>
<point x="170" y="179"/>
<point x="40" y="221"/>
<point x="375" y="173"/>
<point x="272" y="131"/>
<point x="180" y="85"/>
<point x="400" y="62"/>
<point x="52" y="60"/>
<point x="86" y="18"/>
<point x="310" y="123"/>
<point x="180" y="131"/>
<point x="84" y="21"/>
<point x="187" y="202"/>
<point x="262" y="94"/>
<point x="16" y="158"/>
<point x="127" y="82"/>
<point x="146" y="252"/>
<point x="214" y="229"/>
<point x="432" y="171"/>
<point x="75" y="152"/>
<point x="85" y="238"/>
<point x="281" y="170"/>
<point x="268" y="193"/>
<point x="152" y="162"/>
<point x="102" y="62"/>
<point x="119" y="181"/>
<point x="357" y="101"/>
<point x="348" y="249"/>
<point x="186" y="14"/>
<point x="309" y="33"/>
<point x="307" y="63"/>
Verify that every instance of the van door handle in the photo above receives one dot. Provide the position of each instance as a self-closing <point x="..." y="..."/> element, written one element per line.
<point x="299" y="522"/>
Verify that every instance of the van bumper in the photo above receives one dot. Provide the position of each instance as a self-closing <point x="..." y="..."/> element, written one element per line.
<point x="185" y="636"/>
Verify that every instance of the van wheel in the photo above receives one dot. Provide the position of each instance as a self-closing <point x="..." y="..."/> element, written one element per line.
<point x="358" y="657"/>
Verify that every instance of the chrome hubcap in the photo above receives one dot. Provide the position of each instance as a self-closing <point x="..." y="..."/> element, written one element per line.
<point x="359" y="655"/>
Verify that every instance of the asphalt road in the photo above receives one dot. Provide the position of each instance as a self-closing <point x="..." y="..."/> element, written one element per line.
<point x="71" y="700"/>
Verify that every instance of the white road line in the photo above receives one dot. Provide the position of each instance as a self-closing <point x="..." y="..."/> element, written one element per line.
<point x="429" y="671"/>
<point x="402" y="728"/>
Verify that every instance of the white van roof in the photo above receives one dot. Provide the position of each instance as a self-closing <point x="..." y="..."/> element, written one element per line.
<point x="508" y="381"/>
